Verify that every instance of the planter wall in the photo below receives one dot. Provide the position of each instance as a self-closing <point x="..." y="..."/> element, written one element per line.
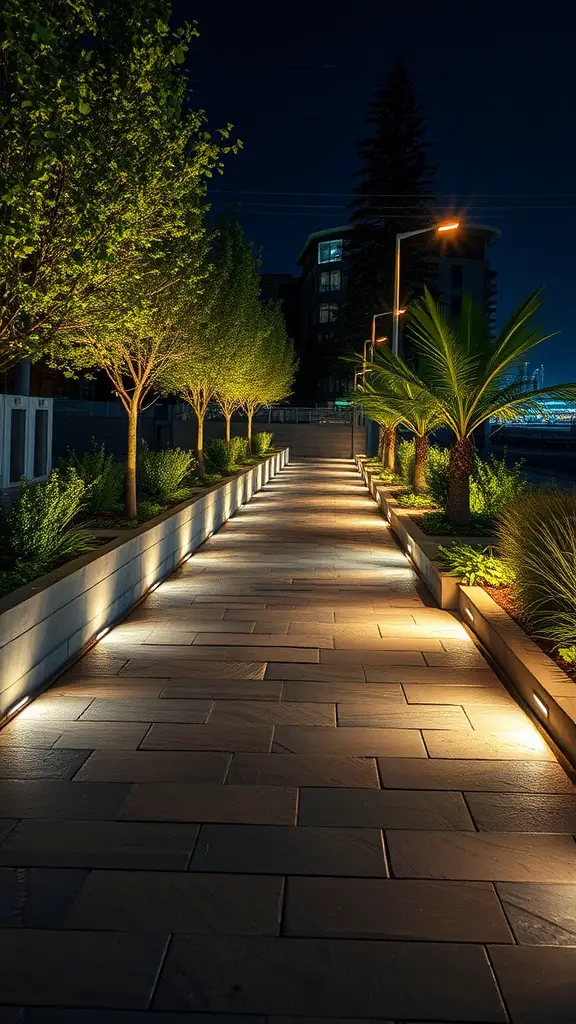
<point x="49" y="621"/>
<point x="547" y="691"/>
<point x="419" y="546"/>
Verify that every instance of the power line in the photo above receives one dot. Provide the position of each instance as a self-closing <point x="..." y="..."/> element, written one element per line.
<point x="396" y="195"/>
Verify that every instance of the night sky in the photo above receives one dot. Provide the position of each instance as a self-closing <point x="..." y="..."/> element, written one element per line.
<point x="498" y="91"/>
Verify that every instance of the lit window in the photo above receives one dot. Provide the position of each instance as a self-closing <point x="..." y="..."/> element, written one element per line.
<point x="330" y="281"/>
<point x="327" y="312"/>
<point x="330" y="252"/>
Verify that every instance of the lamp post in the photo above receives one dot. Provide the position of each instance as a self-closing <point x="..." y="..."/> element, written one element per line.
<point x="449" y="226"/>
<point x="353" y="416"/>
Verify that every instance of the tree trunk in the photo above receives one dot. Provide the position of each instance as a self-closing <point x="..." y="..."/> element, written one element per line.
<point x="381" y="444"/>
<point x="419" y="482"/>
<point x="200" y="442"/>
<point x="250" y="415"/>
<point x="228" y="417"/>
<point x="390" y="446"/>
<point x="130" y="508"/>
<point x="459" y="469"/>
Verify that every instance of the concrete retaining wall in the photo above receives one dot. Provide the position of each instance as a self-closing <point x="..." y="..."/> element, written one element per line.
<point x="49" y="621"/>
<point x="549" y="693"/>
<point x="305" y="440"/>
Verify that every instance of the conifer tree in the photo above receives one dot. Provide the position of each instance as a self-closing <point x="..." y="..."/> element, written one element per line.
<point x="393" y="195"/>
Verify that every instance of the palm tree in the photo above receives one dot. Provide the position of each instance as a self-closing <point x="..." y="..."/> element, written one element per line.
<point x="402" y="398"/>
<point x="464" y="372"/>
<point x="387" y="419"/>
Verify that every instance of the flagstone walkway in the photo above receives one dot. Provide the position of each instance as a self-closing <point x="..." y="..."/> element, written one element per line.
<point x="288" y="788"/>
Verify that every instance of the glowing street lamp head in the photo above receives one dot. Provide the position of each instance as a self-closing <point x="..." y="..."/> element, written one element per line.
<point x="450" y="226"/>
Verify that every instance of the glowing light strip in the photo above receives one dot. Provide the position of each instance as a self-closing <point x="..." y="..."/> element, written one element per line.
<point x="542" y="707"/>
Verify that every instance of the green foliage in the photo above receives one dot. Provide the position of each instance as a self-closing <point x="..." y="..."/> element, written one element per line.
<point x="411" y="500"/>
<point x="261" y="443"/>
<point x="35" y="531"/>
<point x="437" y="523"/>
<point x="92" y="127"/>
<point x="223" y="459"/>
<point x="464" y="373"/>
<point x="162" y="473"/>
<point x="568" y="655"/>
<point x="387" y="476"/>
<point x="103" y="477"/>
<point x="437" y="462"/>
<point x="405" y="458"/>
<point x="217" y="456"/>
<point x="238" y="452"/>
<point x="148" y="510"/>
<point x="494" y="485"/>
<point x="538" y="540"/>
<point x="475" y="565"/>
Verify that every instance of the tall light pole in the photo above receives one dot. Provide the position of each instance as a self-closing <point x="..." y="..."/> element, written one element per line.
<point x="449" y="226"/>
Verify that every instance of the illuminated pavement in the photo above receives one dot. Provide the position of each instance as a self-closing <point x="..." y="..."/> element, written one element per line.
<point x="287" y="789"/>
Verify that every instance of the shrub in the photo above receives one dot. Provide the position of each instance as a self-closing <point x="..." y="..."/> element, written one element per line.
<point x="161" y="473"/>
<point x="538" y="540"/>
<point x="261" y="443"/>
<point x="35" y="530"/>
<point x="405" y="458"/>
<point x="238" y="452"/>
<point x="216" y="456"/>
<point x="148" y="509"/>
<point x="475" y="565"/>
<point x="411" y="500"/>
<point x="436" y="523"/>
<point x="388" y="476"/>
<point x="437" y="473"/>
<point x="221" y="459"/>
<point x="494" y="485"/>
<point x="104" y="478"/>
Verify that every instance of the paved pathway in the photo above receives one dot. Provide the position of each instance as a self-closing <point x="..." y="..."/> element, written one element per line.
<point x="287" y="788"/>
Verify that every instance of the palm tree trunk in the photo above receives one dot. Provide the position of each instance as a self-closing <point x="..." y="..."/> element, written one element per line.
<point x="421" y="451"/>
<point x="130" y="507"/>
<point x="459" y="470"/>
<point x="390" y="445"/>
<point x="381" y="444"/>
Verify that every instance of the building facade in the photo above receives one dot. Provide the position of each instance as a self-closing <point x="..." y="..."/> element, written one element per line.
<point x="462" y="268"/>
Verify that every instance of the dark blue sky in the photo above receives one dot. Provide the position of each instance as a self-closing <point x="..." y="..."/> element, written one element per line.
<point x="497" y="88"/>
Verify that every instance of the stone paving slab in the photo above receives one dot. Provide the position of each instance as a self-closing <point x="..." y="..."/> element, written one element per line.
<point x="313" y="977"/>
<point x="287" y="789"/>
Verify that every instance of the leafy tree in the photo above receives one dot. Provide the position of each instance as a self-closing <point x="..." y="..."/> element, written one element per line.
<point x="238" y="317"/>
<point x="216" y="333"/>
<point x="464" y="371"/>
<point x="132" y="332"/>
<point x="272" y="367"/>
<point x="89" y="95"/>
<point x="394" y="194"/>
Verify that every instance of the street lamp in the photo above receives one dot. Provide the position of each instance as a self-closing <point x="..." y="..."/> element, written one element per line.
<point x="373" y="341"/>
<point x="448" y="226"/>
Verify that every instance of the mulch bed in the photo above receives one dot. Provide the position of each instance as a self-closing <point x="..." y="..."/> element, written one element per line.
<point x="504" y="596"/>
